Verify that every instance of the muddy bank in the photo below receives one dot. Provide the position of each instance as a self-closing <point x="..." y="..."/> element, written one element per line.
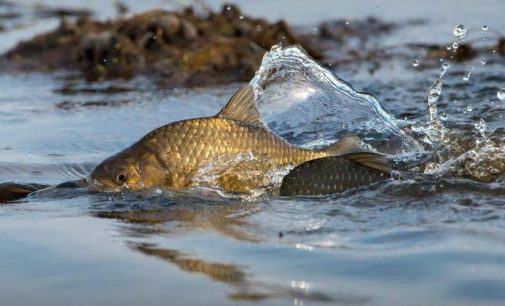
<point x="185" y="48"/>
<point x="181" y="48"/>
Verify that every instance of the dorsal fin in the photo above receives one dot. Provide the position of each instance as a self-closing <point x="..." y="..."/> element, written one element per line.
<point x="242" y="107"/>
<point x="346" y="144"/>
<point x="370" y="160"/>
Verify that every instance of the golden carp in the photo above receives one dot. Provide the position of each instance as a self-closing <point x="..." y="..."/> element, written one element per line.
<point x="171" y="156"/>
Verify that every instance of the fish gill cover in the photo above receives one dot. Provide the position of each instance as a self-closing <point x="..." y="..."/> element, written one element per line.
<point x="308" y="104"/>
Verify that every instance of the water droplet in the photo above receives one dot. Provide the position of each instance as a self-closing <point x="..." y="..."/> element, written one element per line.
<point x="501" y="94"/>
<point x="449" y="48"/>
<point x="483" y="62"/>
<point x="443" y="117"/>
<point x="455" y="45"/>
<point x="241" y="17"/>
<point x="415" y="63"/>
<point x="459" y="31"/>
<point x="484" y="28"/>
<point x="466" y="76"/>
<point x="455" y="101"/>
<point x="445" y="66"/>
<point x="228" y="8"/>
<point x="347" y="23"/>
<point x="481" y="126"/>
<point x="469" y="108"/>
<point x="435" y="91"/>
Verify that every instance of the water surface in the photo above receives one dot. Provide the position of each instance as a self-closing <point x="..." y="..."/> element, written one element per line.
<point x="437" y="239"/>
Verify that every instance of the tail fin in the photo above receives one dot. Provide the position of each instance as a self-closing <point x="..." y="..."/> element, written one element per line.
<point x="346" y="144"/>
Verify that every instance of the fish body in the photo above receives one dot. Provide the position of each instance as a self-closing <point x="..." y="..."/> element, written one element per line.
<point x="334" y="174"/>
<point x="174" y="155"/>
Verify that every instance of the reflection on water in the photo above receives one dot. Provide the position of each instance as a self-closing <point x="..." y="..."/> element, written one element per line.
<point x="232" y="275"/>
<point x="227" y="219"/>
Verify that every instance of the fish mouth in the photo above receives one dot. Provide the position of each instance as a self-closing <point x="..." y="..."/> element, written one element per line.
<point x="74" y="184"/>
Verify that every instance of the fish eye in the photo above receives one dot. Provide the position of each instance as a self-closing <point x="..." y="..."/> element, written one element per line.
<point x="121" y="177"/>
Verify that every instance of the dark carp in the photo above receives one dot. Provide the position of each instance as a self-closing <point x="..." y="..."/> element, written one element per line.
<point x="335" y="174"/>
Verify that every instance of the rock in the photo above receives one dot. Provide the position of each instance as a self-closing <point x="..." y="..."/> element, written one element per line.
<point x="188" y="30"/>
<point x="501" y="46"/>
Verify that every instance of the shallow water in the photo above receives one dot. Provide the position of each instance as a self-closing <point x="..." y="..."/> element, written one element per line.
<point x="435" y="238"/>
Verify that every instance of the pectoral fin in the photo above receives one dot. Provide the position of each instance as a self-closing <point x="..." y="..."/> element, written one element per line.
<point x="370" y="160"/>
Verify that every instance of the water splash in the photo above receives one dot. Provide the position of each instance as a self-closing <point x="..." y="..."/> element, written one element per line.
<point x="501" y="94"/>
<point x="443" y="70"/>
<point x="481" y="126"/>
<point x="436" y="130"/>
<point x="307" y="103"/>
<point x="433" y="95"/>
<point x="482" y="160"/>
<point x="245" y="176"/>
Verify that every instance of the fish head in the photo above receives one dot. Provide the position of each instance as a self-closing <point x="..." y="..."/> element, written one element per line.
<point x="117" y="173"/>
<point x="133" y="169"/>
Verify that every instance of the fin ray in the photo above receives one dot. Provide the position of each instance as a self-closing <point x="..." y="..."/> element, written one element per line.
<point x="242" y="107"/>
